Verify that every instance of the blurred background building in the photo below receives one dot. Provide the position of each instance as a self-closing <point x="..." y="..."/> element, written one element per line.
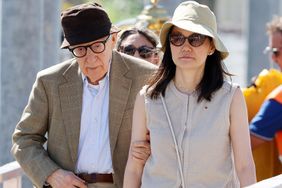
<point x="30" y="36"/>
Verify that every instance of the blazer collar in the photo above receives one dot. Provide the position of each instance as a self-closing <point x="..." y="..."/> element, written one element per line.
<point x="70" y="93"/>
<point x="120" y="85"/>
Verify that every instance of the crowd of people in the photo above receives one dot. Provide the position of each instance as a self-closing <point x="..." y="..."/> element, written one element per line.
<point x="133" y="109"/>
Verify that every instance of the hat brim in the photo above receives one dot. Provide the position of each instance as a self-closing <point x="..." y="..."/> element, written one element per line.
<point x="65" y="44"/>
<point x="196" y="28"/>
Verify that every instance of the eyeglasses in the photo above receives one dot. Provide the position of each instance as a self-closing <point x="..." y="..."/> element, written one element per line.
<point x="274" y="51"/>
<point x="194" y="40"/>
<point x="144" y="51"/>
<point x="96" y="47"/>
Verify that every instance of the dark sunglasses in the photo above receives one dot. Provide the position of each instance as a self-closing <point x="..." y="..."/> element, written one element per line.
<point x="274" y="51"/>
<point x="144" y="51"/>
<point x="194" y="39"/>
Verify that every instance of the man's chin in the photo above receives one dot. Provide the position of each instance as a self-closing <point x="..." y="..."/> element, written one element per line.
<point x="95" y="80"/>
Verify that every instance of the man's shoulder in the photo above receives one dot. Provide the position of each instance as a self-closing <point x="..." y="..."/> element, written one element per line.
<point x="134" y="64"/>
<point x="59" y="68"/>
<point x="276" y="94"/>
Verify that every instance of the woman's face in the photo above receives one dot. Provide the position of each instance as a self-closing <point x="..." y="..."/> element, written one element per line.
<point x="192" y="54"/>
<point x="138" y="46"/>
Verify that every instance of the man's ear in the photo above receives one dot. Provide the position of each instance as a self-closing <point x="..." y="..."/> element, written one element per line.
<point x="114" y="39"/>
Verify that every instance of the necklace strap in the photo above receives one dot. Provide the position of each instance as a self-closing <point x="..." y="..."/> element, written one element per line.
<point x="175" y="142"/>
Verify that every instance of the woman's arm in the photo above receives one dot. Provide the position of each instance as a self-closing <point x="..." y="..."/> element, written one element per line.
<point x="240" y="138"/>
<point x="134" y="169"/>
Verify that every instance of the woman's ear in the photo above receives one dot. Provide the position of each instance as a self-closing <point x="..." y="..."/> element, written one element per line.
<point x="212" y="49"/>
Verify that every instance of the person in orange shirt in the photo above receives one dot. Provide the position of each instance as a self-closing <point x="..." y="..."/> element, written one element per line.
<point x="264" y="109"/>
<point x="268" y="120"/>
<point x="267" y="80"/>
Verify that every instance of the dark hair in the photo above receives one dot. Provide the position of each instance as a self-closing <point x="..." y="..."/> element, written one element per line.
<point x="213" y="78"/>
<point x="149" y="35"/>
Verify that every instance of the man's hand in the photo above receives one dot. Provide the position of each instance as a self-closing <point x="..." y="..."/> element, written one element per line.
<point x="65" y="179"/>
<point x="141" y="151"/>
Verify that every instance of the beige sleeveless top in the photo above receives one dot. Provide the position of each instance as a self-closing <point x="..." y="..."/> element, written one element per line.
<point x="202" y="134"/>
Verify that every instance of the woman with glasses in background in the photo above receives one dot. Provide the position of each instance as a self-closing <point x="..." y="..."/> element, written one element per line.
<point x="197" y="120"/>
<point x="139" y="42"/>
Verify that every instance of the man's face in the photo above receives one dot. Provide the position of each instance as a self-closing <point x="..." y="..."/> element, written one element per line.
<point x="275" y="41"/>
<point x="95" y="65"/>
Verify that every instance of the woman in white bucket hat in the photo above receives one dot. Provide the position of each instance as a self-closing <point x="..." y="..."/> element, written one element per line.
<point x="197" y="121"/>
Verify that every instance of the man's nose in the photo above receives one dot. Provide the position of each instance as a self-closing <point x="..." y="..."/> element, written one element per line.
<point x="90" y="55"/>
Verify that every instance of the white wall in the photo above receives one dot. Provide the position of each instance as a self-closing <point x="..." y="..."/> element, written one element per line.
<point x="231" y="15"/>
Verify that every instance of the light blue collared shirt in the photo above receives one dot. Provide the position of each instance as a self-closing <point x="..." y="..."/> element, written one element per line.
<point x="94" y="154"/>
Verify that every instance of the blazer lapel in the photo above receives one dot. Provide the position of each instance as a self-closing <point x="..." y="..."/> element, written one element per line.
<point x="70" y="93"/>
<point x="120" y="87"/>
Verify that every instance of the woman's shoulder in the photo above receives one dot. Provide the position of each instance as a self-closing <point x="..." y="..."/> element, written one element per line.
<point x="227" y="90"/>
<point x="145" y="91"/>
<point x="229" y="86"/>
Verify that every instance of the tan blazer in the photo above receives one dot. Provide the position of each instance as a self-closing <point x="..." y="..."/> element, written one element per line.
<point x="54" y="107"/>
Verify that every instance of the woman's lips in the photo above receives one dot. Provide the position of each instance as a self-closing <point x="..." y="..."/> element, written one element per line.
<point x="186" y="57"/>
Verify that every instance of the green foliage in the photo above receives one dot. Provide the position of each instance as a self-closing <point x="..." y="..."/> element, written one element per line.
<point x="120" y="10"/>
<point x="117" y="9"/>
<point x="68" y="3"/>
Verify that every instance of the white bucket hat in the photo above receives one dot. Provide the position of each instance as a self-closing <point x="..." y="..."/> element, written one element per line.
<point x="194" y="17"/>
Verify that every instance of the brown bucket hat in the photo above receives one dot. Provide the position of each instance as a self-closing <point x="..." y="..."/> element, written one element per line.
<point x="85" y="23"/>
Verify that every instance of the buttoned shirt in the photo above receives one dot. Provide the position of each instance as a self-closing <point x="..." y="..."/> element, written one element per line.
<point x="94" y="154"/>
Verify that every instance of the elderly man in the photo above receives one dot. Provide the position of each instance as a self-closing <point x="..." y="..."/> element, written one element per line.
<point x="84" y="105"/>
